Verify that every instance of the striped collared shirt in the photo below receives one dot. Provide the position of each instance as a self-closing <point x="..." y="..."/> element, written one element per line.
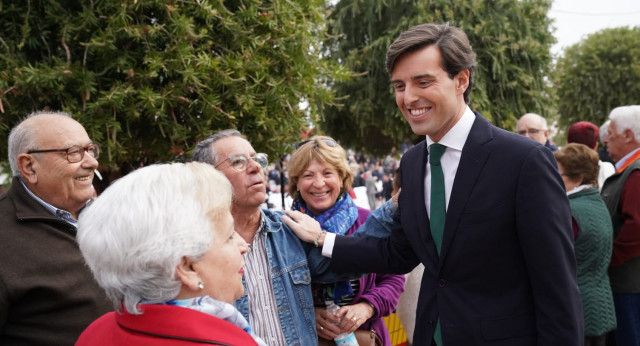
<point x="59" y="213"/>
<point x="263" y="309"/>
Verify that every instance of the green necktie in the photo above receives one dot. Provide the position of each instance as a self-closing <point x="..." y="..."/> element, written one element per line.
<point x="438" y="209"/>
<point x="438" y="205"/>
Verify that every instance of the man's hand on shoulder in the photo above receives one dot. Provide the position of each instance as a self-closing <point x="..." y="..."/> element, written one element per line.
<point x="304" y="226"/>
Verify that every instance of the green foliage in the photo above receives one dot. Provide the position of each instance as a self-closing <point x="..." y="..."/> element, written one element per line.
<point x="511" y="40"/>
<point x="150" y="78"/>
<point x="598" y="74"/>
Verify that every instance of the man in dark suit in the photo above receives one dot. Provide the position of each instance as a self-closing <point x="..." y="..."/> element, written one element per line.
<point x="502" y="271"/>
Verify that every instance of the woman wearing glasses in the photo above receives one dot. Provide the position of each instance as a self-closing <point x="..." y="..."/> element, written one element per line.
<point x="161" y="243"/>
<point x="319" y="181"/>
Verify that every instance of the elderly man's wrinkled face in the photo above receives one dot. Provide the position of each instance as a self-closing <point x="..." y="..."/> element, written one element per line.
<point x="615" y="142"/>
<point x="249" y="185"/>
<point x="50" y="175"/>
<point x="532" y="127"/>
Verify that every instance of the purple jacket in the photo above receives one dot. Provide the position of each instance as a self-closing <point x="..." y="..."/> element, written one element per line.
<point x="381" y="290"/>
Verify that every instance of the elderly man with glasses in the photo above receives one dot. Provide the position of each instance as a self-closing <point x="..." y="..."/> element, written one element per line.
<point x="47" y="293"/>
<point x="277" y="301"/>
<point x="535" y="127"/>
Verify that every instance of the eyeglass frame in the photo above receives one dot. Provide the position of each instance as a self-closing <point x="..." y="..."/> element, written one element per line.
<point x="82" y="150"/>
<point x="328" y="142"/>
<point x="531" y="131"/>
<point x="246" y="161"/>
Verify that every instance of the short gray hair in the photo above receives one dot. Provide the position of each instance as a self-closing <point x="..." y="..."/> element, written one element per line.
<point x="627" y="117"/>
<point x="21" y="139"/>
<point x="204" y="151"/>
<point x="134" y="235"/>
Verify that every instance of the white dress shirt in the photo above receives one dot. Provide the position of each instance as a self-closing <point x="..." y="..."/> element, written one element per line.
<point x="454" y="141"/>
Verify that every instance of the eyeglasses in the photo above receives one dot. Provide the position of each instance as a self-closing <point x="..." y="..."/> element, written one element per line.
<point x="239" y="162"/>
<point x="74" y="153"/>
<point x="328" y="142"/>
<point x="529" y="131"/>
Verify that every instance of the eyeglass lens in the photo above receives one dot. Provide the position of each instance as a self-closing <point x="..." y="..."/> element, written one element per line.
<point x="531" y="131"/>
<point x="76" y="153"/>
<point x="239" y="162"/>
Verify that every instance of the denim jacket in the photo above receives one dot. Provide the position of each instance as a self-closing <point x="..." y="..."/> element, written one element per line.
<point x="292" y="264"/>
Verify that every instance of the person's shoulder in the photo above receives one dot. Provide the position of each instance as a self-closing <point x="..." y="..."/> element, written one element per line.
<point x="363" y="213"/>
<point x="8" y="195"/>
<point x="635" y="165"/>
<point x="99" y="330"/>
<point x="4" y="200"/>
<point x="273" y="219"/>
<point x="607" y="167"/>
<point x="414" y="152"/>
<point x="512" y="142"/>
<point x="272" y="214"/>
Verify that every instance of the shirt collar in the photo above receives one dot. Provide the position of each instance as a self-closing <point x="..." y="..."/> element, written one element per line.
<point x="457" y="136"/>
<point x="624" y="159"/>
<point x="59" y="213"/>
<point x="579" y="188"/>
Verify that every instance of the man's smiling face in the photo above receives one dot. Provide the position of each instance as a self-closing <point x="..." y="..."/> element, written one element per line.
<point x="431" y="102"/>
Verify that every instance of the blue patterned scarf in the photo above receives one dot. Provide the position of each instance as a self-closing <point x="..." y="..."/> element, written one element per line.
<point x="219" y="309"/>
<point x="337" y="219"/>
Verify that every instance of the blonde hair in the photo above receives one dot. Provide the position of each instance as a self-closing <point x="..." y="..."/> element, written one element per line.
<point x="317" y="149"/>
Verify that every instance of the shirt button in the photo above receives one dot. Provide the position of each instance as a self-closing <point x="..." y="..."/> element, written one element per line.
<point x="442" y="282"/>
<point x="430" y="322"/>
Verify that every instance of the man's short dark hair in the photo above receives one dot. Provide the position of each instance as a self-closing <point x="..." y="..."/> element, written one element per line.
<point x="204" y="151"/>
<point x="457" y="54"/>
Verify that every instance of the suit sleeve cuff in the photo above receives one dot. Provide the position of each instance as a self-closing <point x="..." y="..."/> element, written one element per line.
<point x="327" y="247"/>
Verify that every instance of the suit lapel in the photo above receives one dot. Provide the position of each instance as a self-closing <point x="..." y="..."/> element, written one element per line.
<point x="413" y="185"/>
<point x="474" y="156"/>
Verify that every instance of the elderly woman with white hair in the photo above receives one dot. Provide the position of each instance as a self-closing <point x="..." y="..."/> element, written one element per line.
<point x="161" y="243"/>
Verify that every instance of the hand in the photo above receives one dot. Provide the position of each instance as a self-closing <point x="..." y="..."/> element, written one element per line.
<point x="326" y="324"/>
<point x="353" y="316"/>
<point x="304" y="226"/>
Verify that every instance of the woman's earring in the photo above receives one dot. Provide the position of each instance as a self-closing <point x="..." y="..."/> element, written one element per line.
<point x="201" y="285"/>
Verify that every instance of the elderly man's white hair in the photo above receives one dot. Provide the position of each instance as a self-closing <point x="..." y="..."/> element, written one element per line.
<point x="540" y="118"/>
<point x="136" y="232"/>
<point x="21" y="139"/>
<point x="627" y="117"/>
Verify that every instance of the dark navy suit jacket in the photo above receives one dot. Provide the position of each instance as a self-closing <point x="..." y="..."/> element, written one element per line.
<point x="507" y="272"/>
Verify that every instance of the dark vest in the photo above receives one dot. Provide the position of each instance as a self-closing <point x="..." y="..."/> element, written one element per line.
<point x="626" y="277"/>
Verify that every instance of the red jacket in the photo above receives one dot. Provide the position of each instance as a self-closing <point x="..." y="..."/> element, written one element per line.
<point x="163" y="325"/>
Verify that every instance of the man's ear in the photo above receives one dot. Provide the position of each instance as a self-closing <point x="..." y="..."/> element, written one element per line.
<point x="186" y="274"/>
<point x="28" y="166"/>
<point x="628" y="135"/>
<point x="462" y="81"/>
